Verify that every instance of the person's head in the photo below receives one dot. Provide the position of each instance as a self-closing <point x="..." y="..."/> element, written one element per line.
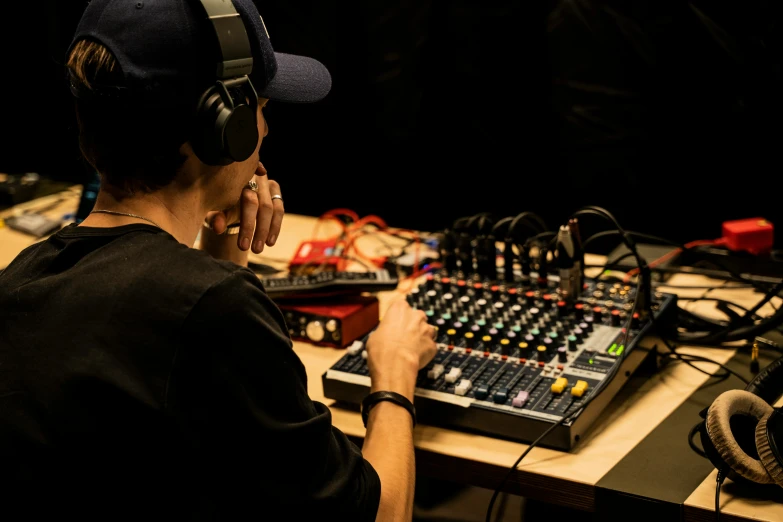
<point x="149" y="106"/>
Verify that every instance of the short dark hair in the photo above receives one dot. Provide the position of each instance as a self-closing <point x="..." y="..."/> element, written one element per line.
<point x="135" y="146"/>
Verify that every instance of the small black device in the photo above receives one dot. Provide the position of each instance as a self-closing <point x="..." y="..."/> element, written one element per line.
<point x="227" y="129"/>
<point x="329" y="283"/>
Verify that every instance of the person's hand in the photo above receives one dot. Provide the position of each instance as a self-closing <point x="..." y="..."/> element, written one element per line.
<point x="402" y="344"/>
<point x="260" y="217"/>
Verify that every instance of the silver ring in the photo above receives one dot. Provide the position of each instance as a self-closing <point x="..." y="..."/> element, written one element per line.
<point x="277" y="196"/>
<point x="252" y="185"/>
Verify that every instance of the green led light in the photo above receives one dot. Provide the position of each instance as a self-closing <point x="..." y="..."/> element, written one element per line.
<point x="620" y="350"/>
<point x="612" y="348"/>
<point x="590" y="361"/>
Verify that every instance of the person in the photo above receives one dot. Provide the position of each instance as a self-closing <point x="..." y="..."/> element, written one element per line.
<point x="144" y="372"/>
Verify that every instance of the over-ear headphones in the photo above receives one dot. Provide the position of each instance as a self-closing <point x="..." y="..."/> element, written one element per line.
<point x="742" y="433"/>
<point x="226" y="126"/>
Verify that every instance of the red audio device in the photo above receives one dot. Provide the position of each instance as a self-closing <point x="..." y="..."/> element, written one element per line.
<point x="332" y="322"/>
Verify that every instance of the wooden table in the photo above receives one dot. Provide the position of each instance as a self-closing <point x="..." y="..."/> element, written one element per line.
<point x="634" y="463"/>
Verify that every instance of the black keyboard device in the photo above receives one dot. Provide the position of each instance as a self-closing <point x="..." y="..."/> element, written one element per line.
<point x="329" y="283"/>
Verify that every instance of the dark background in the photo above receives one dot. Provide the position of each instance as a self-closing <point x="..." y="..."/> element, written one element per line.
<point x="666" y="113"/>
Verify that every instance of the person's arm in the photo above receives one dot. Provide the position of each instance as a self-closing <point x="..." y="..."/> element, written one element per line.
<point x="388" y="446"/>
<point x="402" y="344"/>
<point x="240" y="394"/>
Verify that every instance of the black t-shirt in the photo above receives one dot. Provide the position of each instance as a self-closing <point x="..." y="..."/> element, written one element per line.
<point x="140" y="378"/>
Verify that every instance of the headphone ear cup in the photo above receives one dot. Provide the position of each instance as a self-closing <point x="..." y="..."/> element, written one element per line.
<point x="766" y="445"/>
<point x="728" y="424"/>
<point x="240" y="133"/>
<point x="207" y="138"/>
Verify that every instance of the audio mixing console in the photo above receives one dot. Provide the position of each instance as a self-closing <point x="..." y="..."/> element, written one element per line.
<point x="514" y="358"/>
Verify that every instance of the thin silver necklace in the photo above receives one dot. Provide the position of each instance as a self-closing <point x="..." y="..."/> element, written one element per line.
<point x="125" y="214"/>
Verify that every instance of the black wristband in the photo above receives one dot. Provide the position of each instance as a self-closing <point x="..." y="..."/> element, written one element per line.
<point x="374" y="398"/>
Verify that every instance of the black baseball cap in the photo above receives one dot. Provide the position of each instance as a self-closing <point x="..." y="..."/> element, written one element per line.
<point x="166" y="47"/>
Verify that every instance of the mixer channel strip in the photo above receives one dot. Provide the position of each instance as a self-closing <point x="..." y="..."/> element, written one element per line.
<point x="513" y="359"/>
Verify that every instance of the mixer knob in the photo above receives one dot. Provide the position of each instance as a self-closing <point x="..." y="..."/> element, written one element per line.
<point x="529" y="338"/>
<point x="512" y="336"/>
<point x="549" y="343"/>
<point x="536" y="334"/>
<point x="505" y="347"/>
<point x="458" y="327"/>
<point x="315" y="331"/>
<point x="635" y="321"/>
<point x="562" y="354"/>
<point x="562" y="309"/>
<point x="331" y="325"/>
<point x="462" y="287"/>
<point x="615" y="317"/>
<point x="470" y="339"/>
<point x="524" y="350"/>
<point x="578" y="334"/>
<point x="487" y="342"/>
<point x="452" y="334"/>
<point x="587" y="325"/>
<point x="533" y="314"/>
<point x="541" y="352"/>
<point x="597" y="314"/>
<point x="579" y="310"/>
<point x="573" y="343"/>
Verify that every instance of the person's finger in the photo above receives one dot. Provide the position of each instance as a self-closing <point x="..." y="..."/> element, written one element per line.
<point x="248" y="209"/>
<point x="277" y="216"/>
<point x="264" y="214"/>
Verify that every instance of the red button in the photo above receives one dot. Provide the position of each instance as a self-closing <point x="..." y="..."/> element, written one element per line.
<point x="504" y="357"/>
<point x="451" y="347"/>
<point x="597" y="309"/>
<point x="561" y="303"/>
<point x="615" y="312"/>
<point x="494" y="288"/>
<point x="541" y="364"/>
<point x="579" y="306"/>
<point x="468" y="350"/>
<point x="546" y="297"/>
<point x="530" y="293"/>
<point x="486" y="354"/>
<point x="460" y="283"/>
<point x="512" y="290"/>
<point x="559" y="366"/>
<point x="445" y="280"/>
<point x="522" y="360"/>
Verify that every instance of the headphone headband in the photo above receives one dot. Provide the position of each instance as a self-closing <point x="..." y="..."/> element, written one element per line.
<point x="236" y="55"/>
<point x="768" y="384"/>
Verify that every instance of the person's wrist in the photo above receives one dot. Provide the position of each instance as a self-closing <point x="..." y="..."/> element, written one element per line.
<point x="400" y="379"/>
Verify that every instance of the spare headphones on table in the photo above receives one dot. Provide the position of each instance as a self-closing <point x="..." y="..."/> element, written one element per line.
<point x="742" y="433"/>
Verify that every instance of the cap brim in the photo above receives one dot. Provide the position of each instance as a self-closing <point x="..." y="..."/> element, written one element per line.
<point x="298" y="79"/>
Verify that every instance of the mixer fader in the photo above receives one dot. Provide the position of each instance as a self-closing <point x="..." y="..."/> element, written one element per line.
<point x="514" y="358"/>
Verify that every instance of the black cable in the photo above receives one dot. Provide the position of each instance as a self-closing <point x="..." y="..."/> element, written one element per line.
<point x="691" y="442"/>
<point x="531" y="219"/>
<point x="499" y="224"/>
<point x="718" y="483"/>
